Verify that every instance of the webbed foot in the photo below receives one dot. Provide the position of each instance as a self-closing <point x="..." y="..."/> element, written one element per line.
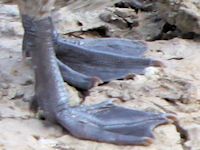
<point x="109" y="123"/>
<point x="89" y="62"/>
<point x="103" y="122"/>
<point x="106" y="59"/>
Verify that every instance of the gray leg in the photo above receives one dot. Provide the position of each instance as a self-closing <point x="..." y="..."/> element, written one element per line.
<point x="102" y="122"/>
<point x="89" y="62"/>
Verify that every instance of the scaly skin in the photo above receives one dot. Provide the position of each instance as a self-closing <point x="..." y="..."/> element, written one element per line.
<point x="102" y="122"/>
<point x="84" y="122"/>
<point x="89" y="62"/>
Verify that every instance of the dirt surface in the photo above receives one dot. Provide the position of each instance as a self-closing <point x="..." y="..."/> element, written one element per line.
<point x="173" y="89"/>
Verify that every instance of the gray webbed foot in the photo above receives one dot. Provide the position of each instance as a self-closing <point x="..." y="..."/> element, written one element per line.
<point x="89" y="62"/>
<point x="109" y="123"/>
<point x="103" y="122"/>
<point x="78" y="79"/>
<point x="107" y="58"/>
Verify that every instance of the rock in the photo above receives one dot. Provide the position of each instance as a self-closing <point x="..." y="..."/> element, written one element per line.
<point x="15" y="93"/>
<point x="76" y="22"/>
<point x="28" y="82"/>
<point x="8" y="10"/>
<point x="193" y="142"/>
<point x="115" y="22"/>
<point x="152" y="72"/>
<point x="48" y="142"/>
<point x="4" y="86"/>
<point x="185" y="14"/>
<point x="74" y="96"/>
<point x="165" y="86"/>
<point x="122" y="18"/>
<point x="11" y="28"/>
<point x="10" y="111"/>
<point x="17" y="129"/>
<point x="168" y="138"/>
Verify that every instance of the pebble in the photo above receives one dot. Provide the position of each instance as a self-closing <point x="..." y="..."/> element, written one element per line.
<point x="4" y="86"/>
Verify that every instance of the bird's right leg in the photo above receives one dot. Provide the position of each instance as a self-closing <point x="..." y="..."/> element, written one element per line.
<point x="88" y="62"/>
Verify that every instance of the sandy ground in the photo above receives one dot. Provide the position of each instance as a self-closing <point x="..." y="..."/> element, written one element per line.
<point x="174" y="89"/>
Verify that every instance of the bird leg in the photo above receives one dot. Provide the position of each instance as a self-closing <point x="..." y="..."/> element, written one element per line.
<point x="85" y="63"/>
<point x="102" y="122"/>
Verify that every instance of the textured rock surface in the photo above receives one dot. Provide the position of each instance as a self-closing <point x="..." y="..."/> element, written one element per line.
<point x="185" y="14"/>
<point x="173" y="89"/>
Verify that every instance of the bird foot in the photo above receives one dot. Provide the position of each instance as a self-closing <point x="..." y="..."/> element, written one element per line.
<point x="109" y="123"/>
<point x="85" y="63"/>
<point x="95" y="61"/>
<point x="102" y="122"/>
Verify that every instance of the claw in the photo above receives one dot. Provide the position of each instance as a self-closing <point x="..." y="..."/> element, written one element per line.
<point x="157" y="63"/>
<point x="148" y="141"/>
<point x="77" y="79"/>
<point x="171" y="117"/>
<point x="96" y="81"/>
